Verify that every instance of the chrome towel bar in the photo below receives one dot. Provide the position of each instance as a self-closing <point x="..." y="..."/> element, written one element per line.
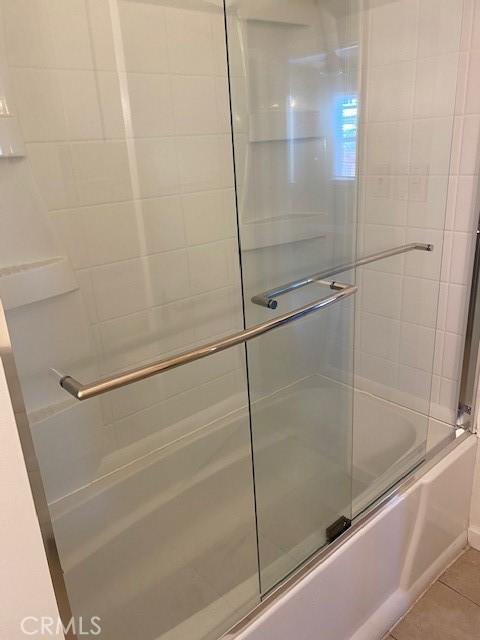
<point x="84" y="391"/>
<point x="267" y="298"/>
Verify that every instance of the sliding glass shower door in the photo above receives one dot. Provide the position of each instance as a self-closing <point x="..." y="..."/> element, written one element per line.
<point x="342" y="118"/>
<point x="294" y="94"/>
<point x="283" y="401"/>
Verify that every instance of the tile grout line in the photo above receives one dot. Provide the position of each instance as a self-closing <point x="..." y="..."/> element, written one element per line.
<point x="457" y="592"/>
<point x="441" y="581"/>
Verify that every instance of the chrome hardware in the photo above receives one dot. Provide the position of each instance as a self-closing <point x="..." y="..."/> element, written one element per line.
<point x="84" y="391"/>
<point x="267" y="298"/>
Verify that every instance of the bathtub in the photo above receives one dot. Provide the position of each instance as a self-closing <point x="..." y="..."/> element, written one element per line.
<point x="359" y="590"/>
<point x="157" y="535"/>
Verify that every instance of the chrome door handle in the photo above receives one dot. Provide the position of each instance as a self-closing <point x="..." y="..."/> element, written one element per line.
<point x="267" y="298"/>
<point x="103" y="385"/>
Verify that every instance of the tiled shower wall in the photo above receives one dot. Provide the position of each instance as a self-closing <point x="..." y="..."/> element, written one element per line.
<point x="124" y="109"/>
<point x="461" y="222"/>
<point x="420" y="96"/>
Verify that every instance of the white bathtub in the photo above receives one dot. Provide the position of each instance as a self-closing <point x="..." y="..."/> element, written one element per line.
<point x="369" y="582"/>
<point x="166" y="547"/>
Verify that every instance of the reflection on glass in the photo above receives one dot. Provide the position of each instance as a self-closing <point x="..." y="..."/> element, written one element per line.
<point x="296" y="210"/>
<point x="346" y="126"/>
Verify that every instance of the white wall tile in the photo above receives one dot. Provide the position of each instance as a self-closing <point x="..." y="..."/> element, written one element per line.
<point x="209" y="216"/>
<point x="102" y="171"/>
<point x="151" y="105"/>
<point x="218" y="312"/>
<point x="452" y="356"/>
<point x="219" y="45"/>
<point x="381" y="293"/>
<point x="424" y="264"/>
<point x="79" y="95"/>
<point x="436" y="86"/>
<point x="439" y="27"/>
<point x="128" y="340"/>
<point x="370" y="368"/>
<point x="27" y="32"/>
<point x="144" y="36"/>
<point x="195" y="101"/>
<point x="417" y="346"/>
<point x="438" y="354"/>
<point x="380" y="336"/>
<point x="205" y="162"/>
<point x="442" y="306"/>
<point x="387" y="146"/>
<point x="462" y="82"/>
<point x="157" y="165"/>
<point x="457" y="308"/>
<point x="420" y="300"/>
<point x="53" y="172"/>
<point x="47" y="33"/>
<point x="456" y="145"/>
<point x="462" y="258"/>
<point x="428" y="197"/>
<point x="431" y="146"/>
<point x="476" y="28"/>
<point x="448" y="395"/>
<point x="416" y="383"/>
<point x="190" y="45"/>
<point x="173" y="325"/>
<point x="86" y="289"/>
<point x="83" y="231"/>
<point x="39" y="103"/>
<point x="393" y="32"/>
<point x="390" y="210"/>
<point x="383" y="82"/>
<point x="113" y="120"/>
<point x="222" y="98"/>
<point x="379" y="238"/>
<point x="446" y="256"/>
<point x="101" y="31"/>
<point x="70" y="32"/>
<point x="169" y="276"/>
<point x="163" y="222"/>
<point x="473" y="88"/>
<point x="211" y="266"/>
<point x="451" y="202"/>
<point x="466" y="215"/>
<point x="435" y="395"/>
<point x="119" y="289"/>
<point x="469" y="160"/>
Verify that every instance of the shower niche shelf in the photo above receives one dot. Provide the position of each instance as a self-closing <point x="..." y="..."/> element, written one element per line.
<point x="23" y="284"/>
<point x="271" y="232"/>
<point x="282" y="125"/>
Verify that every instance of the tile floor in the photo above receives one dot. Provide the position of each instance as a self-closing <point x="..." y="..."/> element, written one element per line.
<point x="450" y="609"/>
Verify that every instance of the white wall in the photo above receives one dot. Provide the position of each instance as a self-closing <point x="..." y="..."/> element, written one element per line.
<point x="419" y="174"/>
<point x="25" y="585"/>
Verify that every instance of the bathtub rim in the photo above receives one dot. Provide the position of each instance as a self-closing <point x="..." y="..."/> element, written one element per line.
<point x="359" y="522"/>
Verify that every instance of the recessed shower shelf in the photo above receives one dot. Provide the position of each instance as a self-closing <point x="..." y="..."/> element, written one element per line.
<point x="286" y="125"/>
<point x="23" y="284"/>
<point x="270" y="232"/>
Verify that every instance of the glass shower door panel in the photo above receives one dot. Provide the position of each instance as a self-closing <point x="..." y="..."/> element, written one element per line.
<point x="122" y="242"/>
<point x="409" y="82"/>
<point x="293" y="82"/>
